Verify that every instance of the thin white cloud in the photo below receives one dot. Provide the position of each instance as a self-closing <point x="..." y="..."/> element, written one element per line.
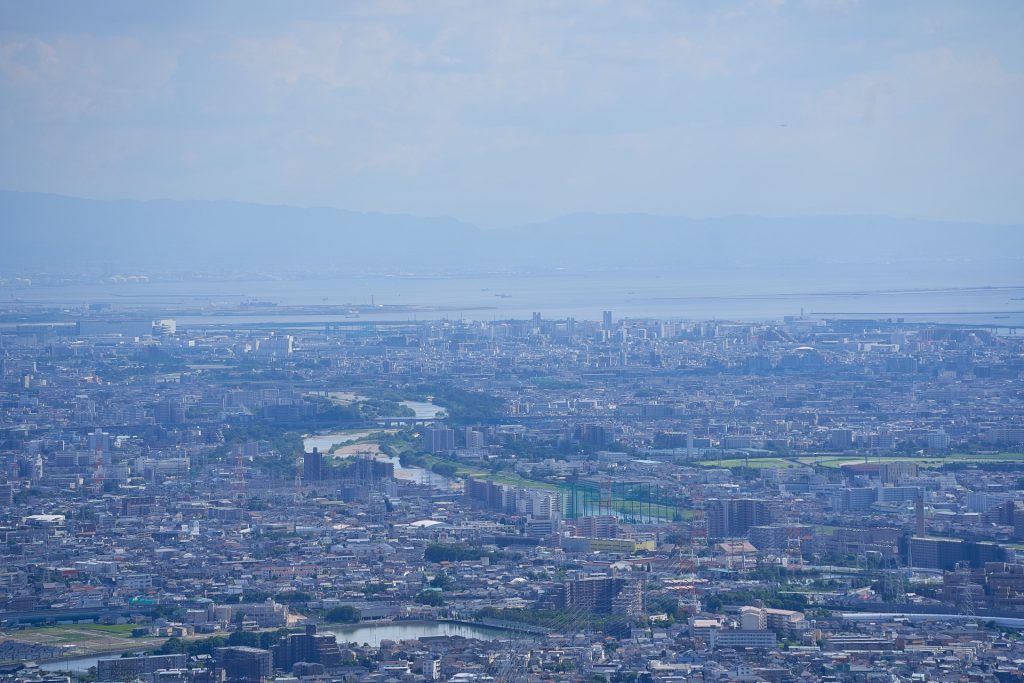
<point x="506" y="111"/>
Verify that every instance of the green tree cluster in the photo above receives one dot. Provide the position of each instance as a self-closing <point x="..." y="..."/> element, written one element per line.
<point x="446" y="552"/>
<point x="790" y="601"/>
<point x="206" y="646"/>
<point x="432" y="598"/>
<point x="344" y="614"/>
<point x="442" y="581"/>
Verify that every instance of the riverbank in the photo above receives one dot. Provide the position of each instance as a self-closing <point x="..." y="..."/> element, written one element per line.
<point x="82" y="640"/>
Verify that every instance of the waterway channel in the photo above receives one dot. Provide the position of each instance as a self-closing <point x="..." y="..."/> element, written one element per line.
<point x="422" y="410"/>
<point x="371" y="634"/>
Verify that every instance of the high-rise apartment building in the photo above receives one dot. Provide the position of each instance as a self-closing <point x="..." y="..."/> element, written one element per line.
<point x="601" y="595"/>
<point x="310" y="646"/>
<point x="313" y="466"/>
<point x="246" y="664"/>
<point x="437" y="439"/>
<point x="733" y="517"/>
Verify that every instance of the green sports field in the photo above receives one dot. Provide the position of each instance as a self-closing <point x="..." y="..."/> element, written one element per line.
<point x="82" y="640"/>
<point x="840" y="460"/>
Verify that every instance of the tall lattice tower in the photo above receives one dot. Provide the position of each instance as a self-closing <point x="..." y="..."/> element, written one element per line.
<point x="919" y="516"/>
<point x="893" y="586"/>
<point x="239" y="478"/>
<point x="98" y="470"/>
<point x="965" y="591"/>
<point x="794" y="543"/>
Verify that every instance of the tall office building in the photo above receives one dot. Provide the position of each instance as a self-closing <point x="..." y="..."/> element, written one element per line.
<point x="606" y="321"/>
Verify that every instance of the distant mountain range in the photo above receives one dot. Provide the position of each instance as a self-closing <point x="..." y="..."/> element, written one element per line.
<point x="56" y="232"/>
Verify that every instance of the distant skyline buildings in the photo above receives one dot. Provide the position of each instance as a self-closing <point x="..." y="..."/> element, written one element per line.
<point x="247" y="477"/>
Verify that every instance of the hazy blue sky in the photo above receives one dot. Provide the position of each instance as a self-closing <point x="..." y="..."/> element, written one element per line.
<point x="498" y="112"/>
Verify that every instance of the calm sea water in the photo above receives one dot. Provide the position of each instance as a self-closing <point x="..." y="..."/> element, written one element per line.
<point x="970" y="297"/>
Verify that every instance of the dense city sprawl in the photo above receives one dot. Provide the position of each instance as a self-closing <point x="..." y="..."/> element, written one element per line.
<point x="616" y="501"/>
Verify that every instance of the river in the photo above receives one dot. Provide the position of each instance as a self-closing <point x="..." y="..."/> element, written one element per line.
<point x="408" y="630"/>
<point x="423" y="410"/>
